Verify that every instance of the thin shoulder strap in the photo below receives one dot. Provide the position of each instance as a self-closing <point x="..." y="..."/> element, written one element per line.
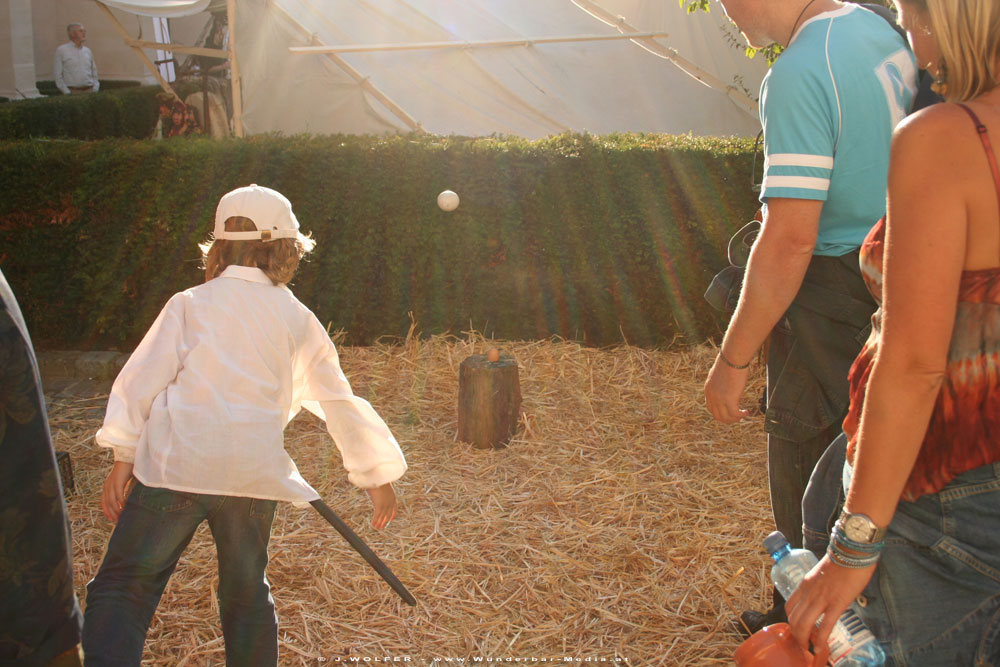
<point x="985" y="138"/>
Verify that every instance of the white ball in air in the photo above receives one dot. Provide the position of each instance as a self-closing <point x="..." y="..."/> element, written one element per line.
<point x="448" y="200"/>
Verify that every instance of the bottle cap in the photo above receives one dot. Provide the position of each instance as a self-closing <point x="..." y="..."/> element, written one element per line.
<point x="775" y="541"/>
<point x="773" y="646"/>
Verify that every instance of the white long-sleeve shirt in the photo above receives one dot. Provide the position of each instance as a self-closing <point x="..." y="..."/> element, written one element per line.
<point x="202" y="404"/>
<point x="74" y="66"/>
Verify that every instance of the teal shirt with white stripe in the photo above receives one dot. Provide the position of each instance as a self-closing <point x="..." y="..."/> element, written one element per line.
<point x="828" y="106"/>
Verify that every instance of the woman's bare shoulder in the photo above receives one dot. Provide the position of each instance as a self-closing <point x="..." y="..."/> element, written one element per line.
<point x="938" y="141"/>
<point x="934" y="126"/>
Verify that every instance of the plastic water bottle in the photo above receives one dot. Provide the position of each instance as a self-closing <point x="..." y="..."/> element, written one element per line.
<point x="851" y="642"/>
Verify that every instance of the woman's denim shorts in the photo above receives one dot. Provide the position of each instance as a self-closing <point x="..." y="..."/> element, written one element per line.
<point x="935" y="596"/>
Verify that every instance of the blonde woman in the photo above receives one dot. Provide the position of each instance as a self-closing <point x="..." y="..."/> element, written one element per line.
<point x="918" y="543"/>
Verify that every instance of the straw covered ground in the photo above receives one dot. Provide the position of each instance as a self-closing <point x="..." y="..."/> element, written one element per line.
<point x="616" y="525"/>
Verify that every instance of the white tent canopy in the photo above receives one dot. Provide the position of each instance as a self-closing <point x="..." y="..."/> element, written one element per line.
<point x="164" y="8"/>
<point x="532" y="88"/>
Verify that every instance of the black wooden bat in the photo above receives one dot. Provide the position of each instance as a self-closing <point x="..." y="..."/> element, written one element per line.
<point x="363" y="549"/>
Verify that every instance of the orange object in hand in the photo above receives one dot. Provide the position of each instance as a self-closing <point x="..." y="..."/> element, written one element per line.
<point x="773" y="646"/>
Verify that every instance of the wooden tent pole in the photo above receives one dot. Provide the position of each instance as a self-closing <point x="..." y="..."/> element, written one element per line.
<point x="178" y="48"/>
<point x="738" y="97"/>
<point x="374" y="91"/>
<point x="362" y="80"/>
<point x="139" y="52"/>
<point x="234" y="70"/>
<point x="487" y="43"/>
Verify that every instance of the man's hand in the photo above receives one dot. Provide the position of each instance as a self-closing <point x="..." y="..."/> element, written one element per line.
<point x="384" y="505"/>
<point x="775" y="270"/>
<point x="114" y="496"/>
<point x="723" y="391"/>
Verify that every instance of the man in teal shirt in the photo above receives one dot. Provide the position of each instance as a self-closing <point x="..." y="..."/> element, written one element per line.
<point x="828" y="107"/>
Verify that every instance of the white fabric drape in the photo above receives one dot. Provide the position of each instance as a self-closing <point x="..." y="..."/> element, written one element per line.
<point x="164" y="8"/>
<point x="532" y="90"/>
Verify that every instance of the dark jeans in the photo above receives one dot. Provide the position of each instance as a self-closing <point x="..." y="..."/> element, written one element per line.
<point x="809" y="356"/>
<point x="153" y="530"/>
<point x="789" y="468"/>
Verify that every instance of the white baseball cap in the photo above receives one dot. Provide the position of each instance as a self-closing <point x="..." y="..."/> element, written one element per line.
<point x="269" y="210"/>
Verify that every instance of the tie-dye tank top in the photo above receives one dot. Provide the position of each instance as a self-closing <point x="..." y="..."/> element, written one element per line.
<point x="964" y="430"/>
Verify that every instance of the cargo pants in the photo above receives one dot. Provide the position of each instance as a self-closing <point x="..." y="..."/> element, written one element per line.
<point x="810" y="353"/>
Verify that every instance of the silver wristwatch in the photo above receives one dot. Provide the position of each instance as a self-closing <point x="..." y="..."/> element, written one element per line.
<point x="859" y="528"/>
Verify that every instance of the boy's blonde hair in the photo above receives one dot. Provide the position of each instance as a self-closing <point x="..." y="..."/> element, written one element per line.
<point x="967" y="33"/>
<point x="279" y="259"/>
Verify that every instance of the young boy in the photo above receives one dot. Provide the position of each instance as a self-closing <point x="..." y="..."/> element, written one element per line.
<point x="197" y="417"/>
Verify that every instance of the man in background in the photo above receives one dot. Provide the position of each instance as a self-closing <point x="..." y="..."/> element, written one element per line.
<point x="74" y="68"/>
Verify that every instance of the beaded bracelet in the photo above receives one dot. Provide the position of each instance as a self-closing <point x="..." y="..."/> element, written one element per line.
<point x="731" y="364"/>
<point x="843" y="560"/>
<point x="847" y="553"/>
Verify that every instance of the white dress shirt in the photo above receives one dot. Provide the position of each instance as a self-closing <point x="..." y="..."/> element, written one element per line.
<point x="74" y="66"/>
<point x="202" y="404"/>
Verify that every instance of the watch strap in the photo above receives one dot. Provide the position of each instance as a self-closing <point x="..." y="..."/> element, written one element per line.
<point x="873" y="533"/>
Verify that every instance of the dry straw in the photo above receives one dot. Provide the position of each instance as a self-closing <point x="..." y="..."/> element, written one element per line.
<point x="618" y="522"/>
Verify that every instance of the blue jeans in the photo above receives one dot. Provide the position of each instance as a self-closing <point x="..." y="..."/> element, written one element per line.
<point x="153" y="530"/>
<point x="824" y="497"/>
<point x="935" y="596"/>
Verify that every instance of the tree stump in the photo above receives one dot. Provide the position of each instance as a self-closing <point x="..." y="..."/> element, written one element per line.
<point x="489" y="400"/>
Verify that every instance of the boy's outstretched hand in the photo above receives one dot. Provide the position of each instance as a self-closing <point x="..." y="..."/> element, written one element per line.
<point x="384" y="505"/>
<point x="113" y="499"/>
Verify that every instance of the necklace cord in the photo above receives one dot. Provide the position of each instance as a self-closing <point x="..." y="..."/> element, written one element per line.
<point x="796" y="24"/>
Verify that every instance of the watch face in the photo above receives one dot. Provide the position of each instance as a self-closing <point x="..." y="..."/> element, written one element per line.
<point x="858" y="528"/>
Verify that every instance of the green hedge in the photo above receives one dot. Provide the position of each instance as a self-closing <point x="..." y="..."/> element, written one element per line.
<point x="122" y="109"/>
<point x="129" y="111"/>
<point x="48" y="87"/>
<point x="593" y="238"/>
